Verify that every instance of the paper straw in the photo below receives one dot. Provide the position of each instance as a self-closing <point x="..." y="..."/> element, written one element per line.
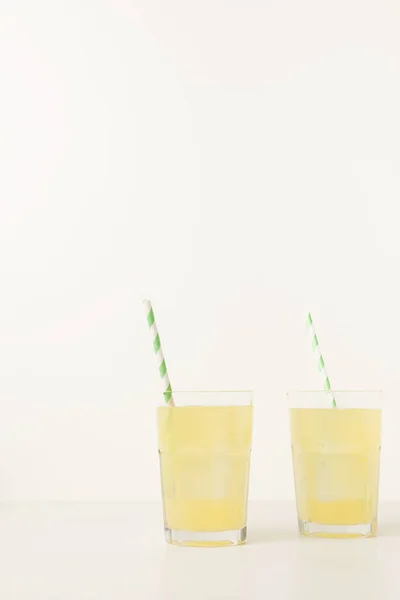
<point x="162" y="367"/>
<point x="320" y="360"/>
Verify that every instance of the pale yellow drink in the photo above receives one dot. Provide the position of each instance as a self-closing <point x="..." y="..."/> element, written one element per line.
<point x="336" y="467"/>
<point x="204" y="460"/>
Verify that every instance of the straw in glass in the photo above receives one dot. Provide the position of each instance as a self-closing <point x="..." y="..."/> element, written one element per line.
<point x="320" y="360"/>
<point x="162" y="367"/>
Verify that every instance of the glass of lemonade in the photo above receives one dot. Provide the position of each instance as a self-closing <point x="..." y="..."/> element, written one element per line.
<point x="204" y="444"/>
<point x="336" y="454"/>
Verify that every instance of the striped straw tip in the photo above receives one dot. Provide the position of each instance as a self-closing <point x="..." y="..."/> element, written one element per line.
<point x="309" y="319"/>
<point x="150" y="314"/>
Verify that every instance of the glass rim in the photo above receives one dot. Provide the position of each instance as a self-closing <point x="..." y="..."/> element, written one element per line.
<point x="345" y="399"/>
<point x="211" y="397"/>
<point x="209" y="392"/>
<point x="366" y="391"/>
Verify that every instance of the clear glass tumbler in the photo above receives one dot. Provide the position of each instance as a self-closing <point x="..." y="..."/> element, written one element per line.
<point x="204" y="444"/>
<point x="336" y="455"/>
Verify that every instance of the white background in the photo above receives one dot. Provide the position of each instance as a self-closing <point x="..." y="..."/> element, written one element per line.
<point x="238" y="163"/>
<point x="103" y="551"/>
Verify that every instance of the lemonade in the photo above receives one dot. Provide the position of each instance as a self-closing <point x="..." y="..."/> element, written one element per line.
<point x="336" y="466"/>
<point x="204" y="461"/>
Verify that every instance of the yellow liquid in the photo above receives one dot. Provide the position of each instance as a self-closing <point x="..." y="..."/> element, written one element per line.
<point x="336" y="464"/>
<point x="204" y="461"/>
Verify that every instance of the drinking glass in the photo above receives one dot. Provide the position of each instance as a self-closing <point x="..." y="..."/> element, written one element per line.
<point x="204" y="444"/>
<point x="336" y="455"/>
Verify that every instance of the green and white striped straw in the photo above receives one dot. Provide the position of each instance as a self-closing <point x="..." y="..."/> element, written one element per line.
<point x="320" y="360"/>
<point x="162" y="367"/>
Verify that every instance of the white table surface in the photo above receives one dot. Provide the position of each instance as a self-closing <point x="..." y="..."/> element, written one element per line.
<point x="116" y="551"/>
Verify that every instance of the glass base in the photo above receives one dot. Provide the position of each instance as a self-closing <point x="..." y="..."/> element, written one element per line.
<point x="207" y="539"/>
<point x="337" y="531"/>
